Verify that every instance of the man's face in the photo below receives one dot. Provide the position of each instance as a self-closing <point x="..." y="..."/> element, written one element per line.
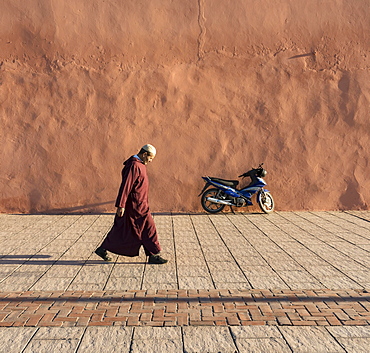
<point x="148" y="157"/>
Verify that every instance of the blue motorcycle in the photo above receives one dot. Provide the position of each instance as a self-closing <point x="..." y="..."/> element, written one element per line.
<point x="225" y="192"/>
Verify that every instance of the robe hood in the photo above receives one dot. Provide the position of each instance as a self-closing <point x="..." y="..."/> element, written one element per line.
<point x="132" y="159"/>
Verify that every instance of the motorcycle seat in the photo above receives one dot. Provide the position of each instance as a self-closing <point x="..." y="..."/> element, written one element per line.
<point x="232" y="183"/>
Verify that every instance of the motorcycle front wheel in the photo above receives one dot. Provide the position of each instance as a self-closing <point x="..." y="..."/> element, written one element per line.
<point x="266" y="202"/>
<point x="209" y="206"/>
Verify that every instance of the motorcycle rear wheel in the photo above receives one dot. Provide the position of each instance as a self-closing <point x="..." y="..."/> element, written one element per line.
<point x="209" y="206"/>
<point x="266" y="202"/>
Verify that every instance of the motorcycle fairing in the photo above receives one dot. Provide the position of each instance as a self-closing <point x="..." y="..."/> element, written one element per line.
<point x="252" y="188"/>
<point x="227" y="189"/>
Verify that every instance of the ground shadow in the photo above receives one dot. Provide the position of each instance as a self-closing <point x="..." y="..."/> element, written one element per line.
<point x="202" y="213"/>
<point x="164" y="299"/>
<point x="301" y="56"/>
<point x="10" y="261"/>
<point x="77" y="210"/>
<point x="24" y="256"/>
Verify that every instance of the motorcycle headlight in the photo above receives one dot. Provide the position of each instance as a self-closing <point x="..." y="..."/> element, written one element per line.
<point x="262" y="173"/>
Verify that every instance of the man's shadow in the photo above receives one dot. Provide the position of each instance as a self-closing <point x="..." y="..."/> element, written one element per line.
<point x="29" y="260"/>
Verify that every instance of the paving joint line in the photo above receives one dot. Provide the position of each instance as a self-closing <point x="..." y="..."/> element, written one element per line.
<point x="349" y="230"/>
<point x="331" y="245"/>
<point x="82" y="264"/>
<point x="355" y="215"/>
<point x="33" y="256"/>
<point x="256" y="226"/>
<point x="318" y="255"/>
<point x="232" y="255"/>
<point x="174" y="248"/>
<point x="29" y="340"/>
<point x="299" y="242"/>
<point x="201" y="249"/>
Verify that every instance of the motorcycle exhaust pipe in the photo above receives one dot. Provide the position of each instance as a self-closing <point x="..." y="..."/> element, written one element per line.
<point x="224" y="202"/>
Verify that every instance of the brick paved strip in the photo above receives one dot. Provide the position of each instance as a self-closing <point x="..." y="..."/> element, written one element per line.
<point x="185" y="307"/>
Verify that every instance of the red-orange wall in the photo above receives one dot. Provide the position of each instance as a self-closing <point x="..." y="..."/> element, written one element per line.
<point x="216" y="86"/>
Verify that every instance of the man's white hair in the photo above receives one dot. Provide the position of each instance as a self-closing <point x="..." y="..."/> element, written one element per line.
<point x="149" y="148"/>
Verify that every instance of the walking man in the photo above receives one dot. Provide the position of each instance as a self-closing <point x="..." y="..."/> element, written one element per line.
<point x="133" y="224"/>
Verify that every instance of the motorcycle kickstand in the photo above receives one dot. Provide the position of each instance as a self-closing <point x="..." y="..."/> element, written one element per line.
<point x="232" y="210"/>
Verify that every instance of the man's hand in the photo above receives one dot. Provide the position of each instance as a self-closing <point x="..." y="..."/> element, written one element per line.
<point x="120" y="211"/>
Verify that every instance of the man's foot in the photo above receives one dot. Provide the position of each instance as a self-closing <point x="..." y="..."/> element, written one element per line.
<point x="156" y="259"/>
<point x="102" y="253"/>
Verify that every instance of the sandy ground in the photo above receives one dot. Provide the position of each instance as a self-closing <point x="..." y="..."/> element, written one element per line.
<point x="217" y="87"/>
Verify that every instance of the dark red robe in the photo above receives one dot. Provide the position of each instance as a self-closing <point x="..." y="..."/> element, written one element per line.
<point x="137" y="226"/>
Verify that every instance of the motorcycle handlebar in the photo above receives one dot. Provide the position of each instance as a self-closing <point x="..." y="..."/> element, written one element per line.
<point x="253" y="169"/>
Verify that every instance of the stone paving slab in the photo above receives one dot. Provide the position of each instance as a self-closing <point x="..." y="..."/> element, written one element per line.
<point x="300" y="250"/>
<point x="294" y="253"/>
<point x="234" y="339"/>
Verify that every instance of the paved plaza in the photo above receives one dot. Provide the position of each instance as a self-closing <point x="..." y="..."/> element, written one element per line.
<point x="247" y="282"/>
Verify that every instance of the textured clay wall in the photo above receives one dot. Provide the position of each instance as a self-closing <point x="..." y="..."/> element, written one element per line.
<point x="217" y="86"/>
